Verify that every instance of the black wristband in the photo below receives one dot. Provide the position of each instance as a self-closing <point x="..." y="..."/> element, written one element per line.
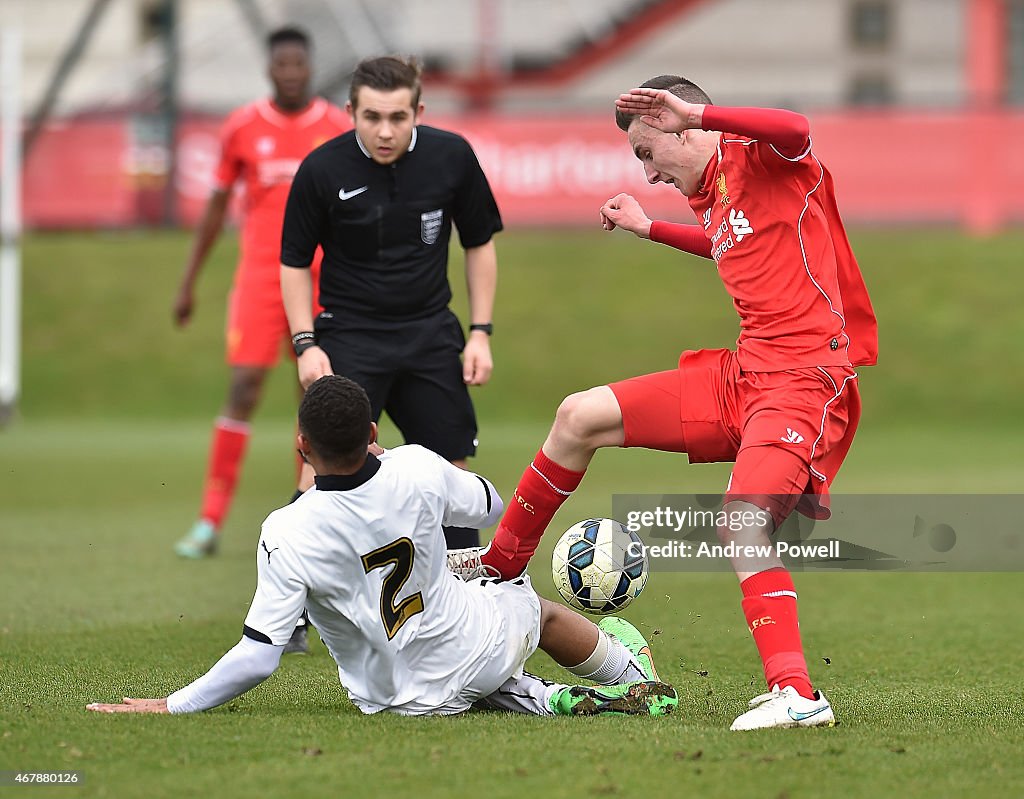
<point x="488" y="328"/>
<point x="303" y="341"/>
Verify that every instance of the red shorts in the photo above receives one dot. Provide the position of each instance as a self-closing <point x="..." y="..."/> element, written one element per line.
<point x="257" y="328"/>
<point x="788" y="432"/>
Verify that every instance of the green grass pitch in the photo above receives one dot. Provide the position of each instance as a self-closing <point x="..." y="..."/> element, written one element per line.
<point x="100" y="473"/>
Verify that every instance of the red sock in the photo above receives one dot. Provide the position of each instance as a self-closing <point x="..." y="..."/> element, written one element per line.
<point x="226" y="453"/>
<point x="542" y="489"/>
<point x="769" y="603"/>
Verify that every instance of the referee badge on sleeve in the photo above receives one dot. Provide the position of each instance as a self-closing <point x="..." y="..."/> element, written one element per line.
<point x="430" y="225"/>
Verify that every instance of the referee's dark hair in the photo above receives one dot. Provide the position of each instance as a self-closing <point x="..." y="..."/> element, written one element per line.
<point x="334" y="416"/>
<point x="385" y="74"/>
<point x="287" y="35"/>
<point x="680" y="87"/>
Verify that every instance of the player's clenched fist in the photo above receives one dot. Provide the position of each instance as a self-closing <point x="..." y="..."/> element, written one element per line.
<point x="625" y="212"/>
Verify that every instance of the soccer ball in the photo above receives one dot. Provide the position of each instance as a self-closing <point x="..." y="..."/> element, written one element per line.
<point x="594" y="569"/>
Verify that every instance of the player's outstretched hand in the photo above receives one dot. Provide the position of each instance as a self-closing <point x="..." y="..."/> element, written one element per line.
<point x="131" y="706"/>
<point x="477" y="363"/>
<point x="313" y="364"/>
<point x="625" y="212"/>
<point x="183" y="305"/>
<point x="661" y="109"/>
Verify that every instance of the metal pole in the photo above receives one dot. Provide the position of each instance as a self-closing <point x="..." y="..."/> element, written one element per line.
<point x="984" y="211"/>
<point x="490" y="60"/>
<point x="63" y="71"/>
<point x="10" y="222"/>
<point x="254" y="19"/>
<point x="169" y="107"/>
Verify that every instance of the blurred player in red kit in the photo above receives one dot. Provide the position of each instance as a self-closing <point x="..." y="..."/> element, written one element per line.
<point x="262" y="145"/>
<point x="784" y="405"/>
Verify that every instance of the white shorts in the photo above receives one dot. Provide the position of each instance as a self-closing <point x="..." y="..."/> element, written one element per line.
<point x="519" y="608"/>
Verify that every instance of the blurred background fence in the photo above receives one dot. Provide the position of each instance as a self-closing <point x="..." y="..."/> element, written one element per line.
<point x="917" y="105"/>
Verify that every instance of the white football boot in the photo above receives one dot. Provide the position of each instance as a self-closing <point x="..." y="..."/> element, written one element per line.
<point x="466" y="564"/>
<point x="786" y="708"/>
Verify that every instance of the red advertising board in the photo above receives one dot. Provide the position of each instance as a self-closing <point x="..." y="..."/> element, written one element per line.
<point x="890" y="167"/>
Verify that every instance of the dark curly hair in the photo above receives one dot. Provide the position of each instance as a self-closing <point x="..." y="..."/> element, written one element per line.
<point x="334" y="416"/>
<point x="287" y="35"/>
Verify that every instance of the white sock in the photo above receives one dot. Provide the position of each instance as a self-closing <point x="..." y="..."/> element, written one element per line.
<point x="526" y="694"/>
<point x="611" y="663"/>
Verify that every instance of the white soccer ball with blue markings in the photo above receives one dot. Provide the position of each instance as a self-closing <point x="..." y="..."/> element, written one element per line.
<point x="599" y="566"/>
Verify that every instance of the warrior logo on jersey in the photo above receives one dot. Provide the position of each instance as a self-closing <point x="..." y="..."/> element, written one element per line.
<point x="265" y="145"/>
<point x="430" y="225"/>
<point x="722" y="189"/>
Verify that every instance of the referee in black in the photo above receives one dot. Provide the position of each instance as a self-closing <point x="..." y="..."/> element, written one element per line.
<point x="381" y="201"/>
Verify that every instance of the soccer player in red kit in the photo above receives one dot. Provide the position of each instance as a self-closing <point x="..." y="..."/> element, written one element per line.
<point x="262" y="145"/>
<point x="783" y="405"/>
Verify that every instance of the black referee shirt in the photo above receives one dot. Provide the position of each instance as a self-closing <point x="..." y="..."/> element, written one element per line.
<point x="385" y="229"/>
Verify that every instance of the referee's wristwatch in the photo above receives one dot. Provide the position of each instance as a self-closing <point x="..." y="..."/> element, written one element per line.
<point x="487" y="328"/>
<point x="303" y="341"/>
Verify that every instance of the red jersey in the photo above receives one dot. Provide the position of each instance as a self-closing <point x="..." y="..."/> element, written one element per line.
<point x="264" y="146"/>
<point x="783" y="255"/>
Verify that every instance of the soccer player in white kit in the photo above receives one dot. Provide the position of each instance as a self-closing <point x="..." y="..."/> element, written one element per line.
<point x="363" y="552"/>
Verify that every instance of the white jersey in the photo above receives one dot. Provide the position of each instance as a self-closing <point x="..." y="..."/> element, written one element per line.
<point x="365" y="555"/>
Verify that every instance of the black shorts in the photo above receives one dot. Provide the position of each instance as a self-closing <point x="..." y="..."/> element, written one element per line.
<point x="413" y="371"/>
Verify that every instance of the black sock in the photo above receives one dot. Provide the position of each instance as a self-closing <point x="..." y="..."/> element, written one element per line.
<point x="461" y="537"/>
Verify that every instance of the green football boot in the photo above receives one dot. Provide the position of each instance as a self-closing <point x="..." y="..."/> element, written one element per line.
<point x="633" y="640"/>
<point x="201" y="541"/>
<point x="644" y="698"/>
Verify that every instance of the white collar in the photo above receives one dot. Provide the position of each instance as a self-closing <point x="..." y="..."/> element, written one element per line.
<point x="412" y="143"/>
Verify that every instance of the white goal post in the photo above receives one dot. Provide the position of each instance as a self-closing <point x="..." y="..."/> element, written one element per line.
<point x="10" y="221"/>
